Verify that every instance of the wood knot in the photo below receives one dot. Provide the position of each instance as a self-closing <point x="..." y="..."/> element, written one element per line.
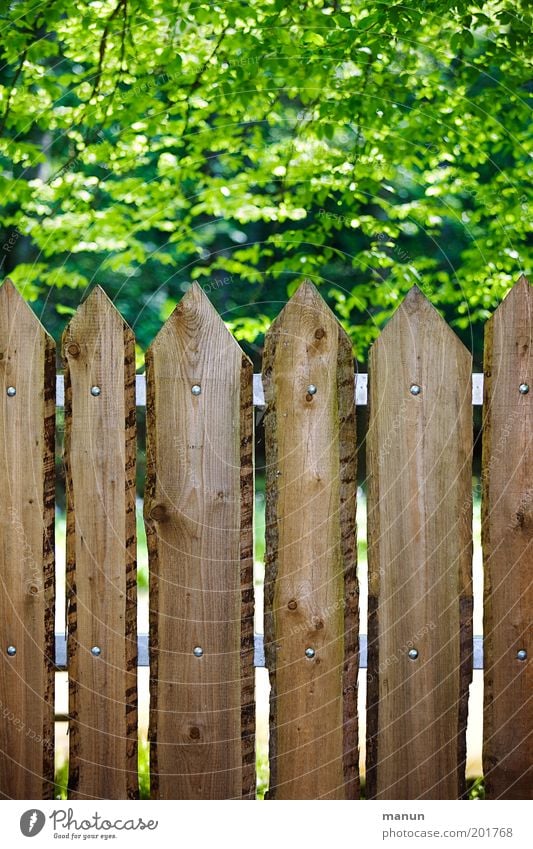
<point x="194" y="732"/>
<point x="158" y="513"/>
<point x="292" y="605"/>
<point x="320" y="333"/>
<point x="73" y="349"/>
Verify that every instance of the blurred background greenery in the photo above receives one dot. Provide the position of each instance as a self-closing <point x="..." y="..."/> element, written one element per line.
<point x="367" y="146"/>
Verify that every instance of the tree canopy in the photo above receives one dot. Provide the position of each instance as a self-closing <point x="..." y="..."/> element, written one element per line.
<point x="366" y="146"/>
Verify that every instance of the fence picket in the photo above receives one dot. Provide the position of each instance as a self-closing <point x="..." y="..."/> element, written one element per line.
<point x="199" y="517"/>
<point x="507" y="531"/>
<point x="419" y="549"/>
<point x="199" y="397"/>
<point x="27" y="571"/>
<point x="99" y="352"/>
<point x="311" y="596"/>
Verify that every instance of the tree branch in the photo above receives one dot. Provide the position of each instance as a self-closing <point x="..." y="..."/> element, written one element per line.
<point x="12" y="88"/>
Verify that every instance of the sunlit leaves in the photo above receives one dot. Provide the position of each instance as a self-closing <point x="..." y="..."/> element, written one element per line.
<point x="365" y="145"/>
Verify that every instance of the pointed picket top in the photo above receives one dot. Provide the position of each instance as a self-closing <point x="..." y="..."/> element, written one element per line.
<point x="195" y="316"/>
<point x="13" y="308"/>
<point x="507" y="349"/>
<point x="24" y="346"/>
<point x="307" y="293"/>
<point x="98" y="300"/>
<point x="416" y="313"/>
<point x="517" y="300"/>
<point x="311" y="329"/>
<point x="92" y="316"/>
<point x="307" y="300"/>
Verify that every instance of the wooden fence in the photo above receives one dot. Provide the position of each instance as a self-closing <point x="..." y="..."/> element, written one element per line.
<point x="199" y="523"/>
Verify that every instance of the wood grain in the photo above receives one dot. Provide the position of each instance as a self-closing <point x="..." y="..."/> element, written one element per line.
<point x="99" y="350"/>
<point x="199" y="523"/>
<point x="507" y="531"/>
<point x="419" y="551"/>
<point x="27" y="363"/>
<point x="311" y="595"/>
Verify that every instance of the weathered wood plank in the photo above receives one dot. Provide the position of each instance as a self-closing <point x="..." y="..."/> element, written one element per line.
<point x="199" y="523"/>
<point x="508" y="547"/>
<point x="99" y="351"/>
<point x="27" y="577"/>
<point x="419" y="550"/>
<point x="311" y="594"/>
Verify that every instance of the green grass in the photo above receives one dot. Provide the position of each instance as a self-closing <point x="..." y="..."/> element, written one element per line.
<point x="475" y="788"/>
<point x="262" y="774"/>
<point x="61" y="781"/>
<point x="144" y="769"/>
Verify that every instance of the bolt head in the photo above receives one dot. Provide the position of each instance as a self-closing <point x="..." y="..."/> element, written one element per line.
<point x="11" y="391"/>
<point x="523" y="388"/>
<point x="415" y="389"/>
<point x="310" y="653"/>
<point x="196" y="389"/>
<point x="311" y="389"/>
<point x="521" y="654"/>
<point x="96" y="391"/>
<point x="96" y="651"/>
<point x="412" y="654"/>
<point x="198" y="651"/>
<point x="11" y="650"/>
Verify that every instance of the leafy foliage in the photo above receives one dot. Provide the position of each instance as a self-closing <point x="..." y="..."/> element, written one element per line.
<point x="366" y="146"/>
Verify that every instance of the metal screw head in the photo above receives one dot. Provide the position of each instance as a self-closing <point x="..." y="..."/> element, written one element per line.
<point x="523" y="388"/>
<point x="11" y="391"/>
<point x="412" y="654"/>
<point x="415" y="389"/>
<point x="196" y="389"/>
<point x="11" y="650"/>
<point x="311" y="389"/>
<point x="521" y="654"/>
<point x="198" y="651"/>
<point x="96" y="650"/>
<point x="95" y="390"/>
<point x="309" y="653"/>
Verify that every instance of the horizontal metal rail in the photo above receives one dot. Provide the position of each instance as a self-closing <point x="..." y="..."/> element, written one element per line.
<point x="259" y="651"/>
<point x="361" y="382"/>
